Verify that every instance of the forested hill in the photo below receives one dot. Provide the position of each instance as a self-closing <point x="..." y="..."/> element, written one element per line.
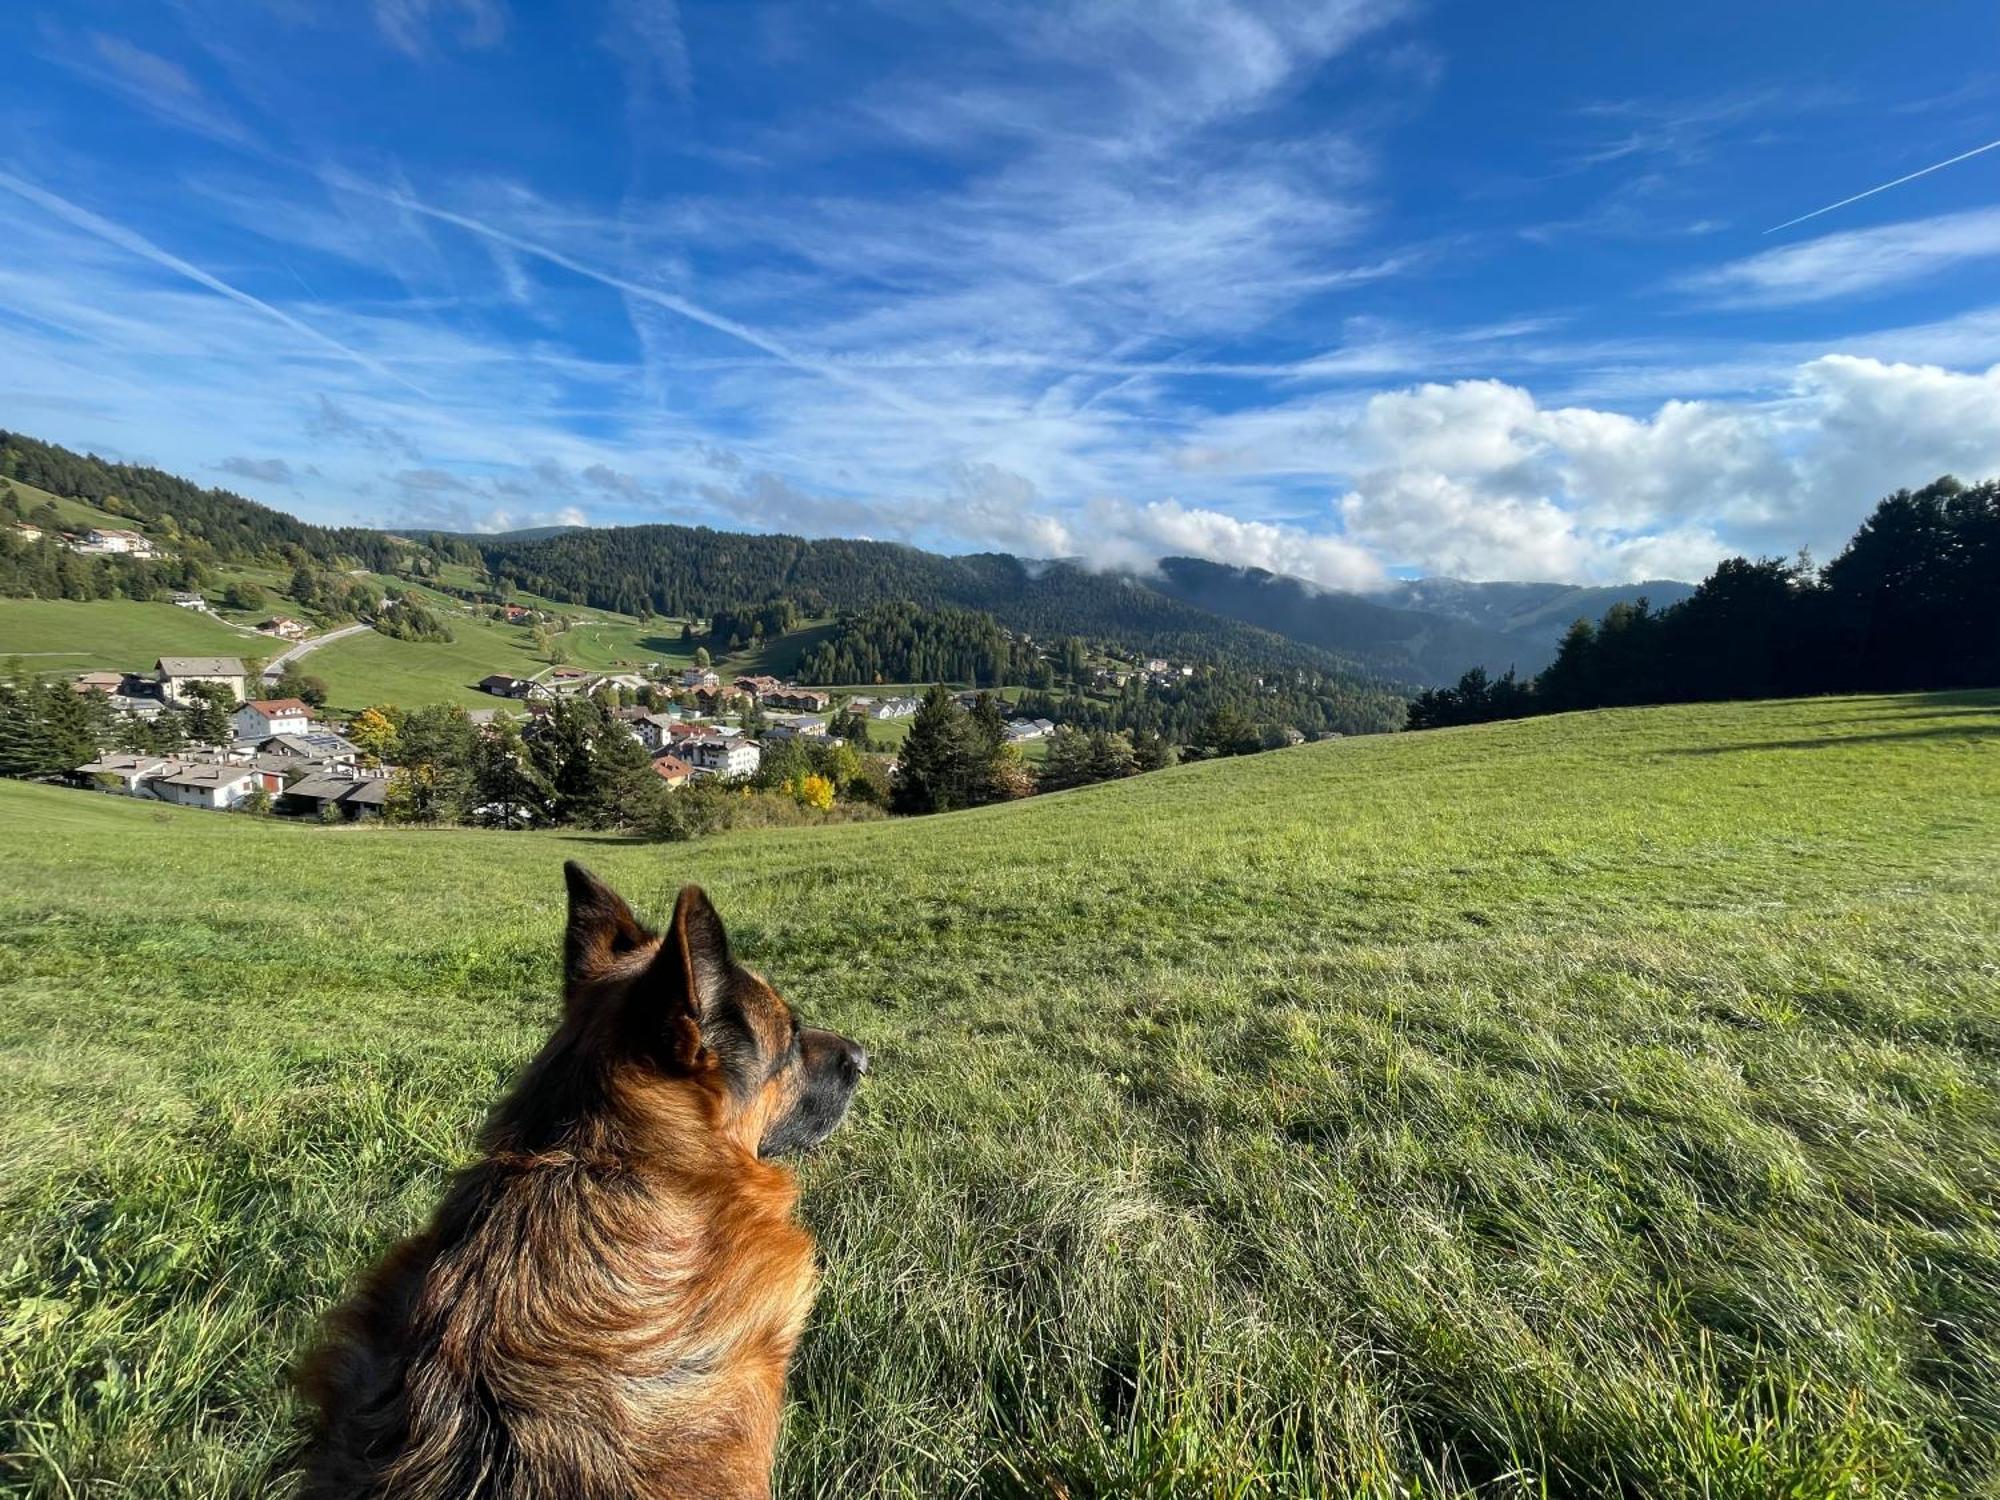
<point x="688" y="570"/>
<point x="212" y="523"/>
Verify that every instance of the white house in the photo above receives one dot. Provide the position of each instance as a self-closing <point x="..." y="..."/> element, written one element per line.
<point x="651" y="730"/>
<point x="186" y="600"/>
<point x="893" y="708"/>
<point x="176" y="674"/>
<point x="699" y="677"/>
<point x="795" y="726"/>
<point x="129" y="771"/>
<point x="261" y="718"/>
<point x="1019" y="730"/>
<point x="113" y="539"/>
<point x="720" y="757"/>
<point x="202" y="784"/>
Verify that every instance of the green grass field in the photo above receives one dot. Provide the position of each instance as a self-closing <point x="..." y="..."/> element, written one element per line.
<point x="70" y="512"/>
<point x="375" y="668"/>
<point x="1595" y="1105"/>
<point x="66" y="636"/>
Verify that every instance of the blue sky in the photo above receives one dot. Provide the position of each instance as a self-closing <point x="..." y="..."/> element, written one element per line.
<point x="1353" y="289"/>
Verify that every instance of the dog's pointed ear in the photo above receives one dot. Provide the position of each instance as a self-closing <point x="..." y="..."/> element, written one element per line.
<point x="692" y="970"/>
<point x="601" y="925"/>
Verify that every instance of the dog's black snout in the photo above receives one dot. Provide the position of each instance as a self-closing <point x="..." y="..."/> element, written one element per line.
<point x="853" y="1059"/>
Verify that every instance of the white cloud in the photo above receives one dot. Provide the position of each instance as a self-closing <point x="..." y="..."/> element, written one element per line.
<point x="1853" y="263"/>
<point x="408" y="24"/>
<point x="1120" y="533"/>
<point x="1476" y="479"/>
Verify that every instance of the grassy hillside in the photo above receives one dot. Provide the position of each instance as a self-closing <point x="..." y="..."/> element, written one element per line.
<point x="61" y="635"/>
<point x="69" y="512"/>
<point x="374" y="668"/>
<point x="1604" y="1104"/>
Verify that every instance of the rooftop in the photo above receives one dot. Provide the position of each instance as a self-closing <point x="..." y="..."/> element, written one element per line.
<point x="200" y="666"/>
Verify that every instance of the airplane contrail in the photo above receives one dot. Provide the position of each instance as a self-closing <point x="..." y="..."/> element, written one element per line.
<point x="145" y="249"/>
<point x="1907" y="177"/>
<point x="692" y="311"/>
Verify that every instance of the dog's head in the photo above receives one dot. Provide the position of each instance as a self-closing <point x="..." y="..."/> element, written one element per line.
<point x="677" y="1006"/>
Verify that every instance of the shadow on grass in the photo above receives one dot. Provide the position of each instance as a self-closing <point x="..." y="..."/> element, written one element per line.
<point x="1824" y="742"/>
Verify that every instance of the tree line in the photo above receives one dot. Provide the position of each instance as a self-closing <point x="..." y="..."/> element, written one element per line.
<point x="902" y="642"/>
<point x="1906" y="606"/>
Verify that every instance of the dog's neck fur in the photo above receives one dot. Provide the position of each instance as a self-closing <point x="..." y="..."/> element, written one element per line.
<point x="585" y="1303"/>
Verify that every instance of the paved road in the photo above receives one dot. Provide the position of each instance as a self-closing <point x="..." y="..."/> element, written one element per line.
<point x="274" y="668"/>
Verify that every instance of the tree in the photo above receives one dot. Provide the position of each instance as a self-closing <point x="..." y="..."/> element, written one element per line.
<point x="244" y="594"/>
<point x="303" y="588"/>
<point x="693" y="811"/>
<point x="598" y="775"/>
<point x="439" y="742"/>
<point x="27" y="745"/>
<point x="295" y="683"/>
<point x="988" y="721"/>
<point x="702" y="659"/>
<point x="412" y="795"/>
<point x="938" y="767"/>
<point x="814" y="791"/>
<point x="208" y="709"/>
<point x="1110" y="756"/>
<point x="505" y="779"/>
<point x="1225" y="731"/>
<point x="1151" y="752"/>
<point x="851" y="725"/>
<point x="373" y="732"/>
<point x="1066" y="762"/>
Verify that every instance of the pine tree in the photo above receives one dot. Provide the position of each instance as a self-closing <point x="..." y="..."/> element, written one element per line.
<point x="937" y="767"/>
<point x="506" y="779"/>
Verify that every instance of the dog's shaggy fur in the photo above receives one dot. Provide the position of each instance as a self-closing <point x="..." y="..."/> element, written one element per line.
<point x="605" y="1304"/>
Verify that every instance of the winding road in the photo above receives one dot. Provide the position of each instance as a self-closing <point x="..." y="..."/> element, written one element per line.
<point x="274" y="668"/>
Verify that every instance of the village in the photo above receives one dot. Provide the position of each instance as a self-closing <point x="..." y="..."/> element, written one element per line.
<point x="277" y="756"/>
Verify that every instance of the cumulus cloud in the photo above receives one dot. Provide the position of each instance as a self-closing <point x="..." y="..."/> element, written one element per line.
<point x="1478" y="480"/>
<point x="1118" y="533"/>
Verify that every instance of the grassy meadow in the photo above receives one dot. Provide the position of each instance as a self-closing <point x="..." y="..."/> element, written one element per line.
<point x="1597" y="1105"/>
<point x="115" y="635"/>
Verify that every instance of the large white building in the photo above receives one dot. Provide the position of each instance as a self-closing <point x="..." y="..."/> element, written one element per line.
<point x="114" y="539"/>
<point x="261" y="718"/>
<point x="719" y="756"/>
<point x="176" y="674"/>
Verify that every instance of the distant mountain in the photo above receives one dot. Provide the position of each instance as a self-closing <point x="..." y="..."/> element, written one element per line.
<point x="694" y="570"/>
<point x="1426" y="631"/>
<point x="1532" y="609"/>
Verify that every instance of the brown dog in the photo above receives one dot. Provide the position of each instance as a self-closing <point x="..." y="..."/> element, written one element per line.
<point x="604" y="1306"/>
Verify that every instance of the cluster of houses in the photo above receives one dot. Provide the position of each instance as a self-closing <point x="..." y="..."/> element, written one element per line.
<point x="277" y="749"/>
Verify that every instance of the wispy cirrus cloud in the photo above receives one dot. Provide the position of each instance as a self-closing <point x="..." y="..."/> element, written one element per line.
<point x="159" y="86"/>
<point x="1852" y="263"/>
<point x="138" y="245"/>
<point x="414" y="27"/>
